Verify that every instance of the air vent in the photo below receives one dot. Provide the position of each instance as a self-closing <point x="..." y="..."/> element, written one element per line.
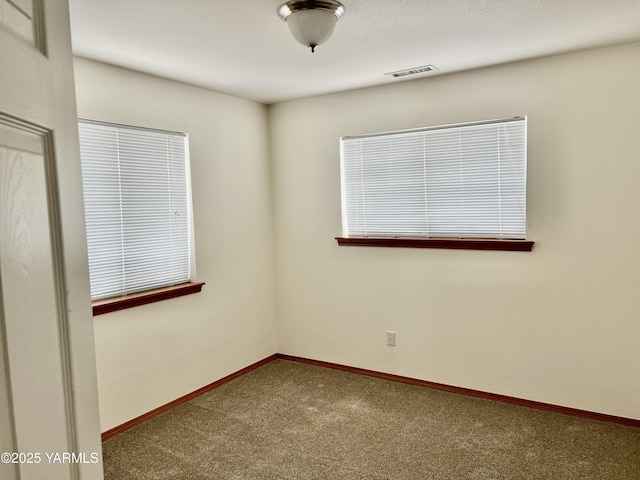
<point x="412" y="71"/>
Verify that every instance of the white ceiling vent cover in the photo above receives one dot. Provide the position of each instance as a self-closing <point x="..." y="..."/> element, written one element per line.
<point x="412" y="71"/>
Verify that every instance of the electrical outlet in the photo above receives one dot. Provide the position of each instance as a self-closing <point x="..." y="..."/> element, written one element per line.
<point x="391" y="338"/>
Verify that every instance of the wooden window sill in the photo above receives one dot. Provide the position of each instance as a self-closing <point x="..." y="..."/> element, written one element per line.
<point x="450" y="243"/>
<point x="142" y="298"/>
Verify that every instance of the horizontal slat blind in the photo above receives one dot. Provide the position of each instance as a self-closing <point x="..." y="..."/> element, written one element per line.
<point x="136" y="207"/>
<point x="461" y="181"/>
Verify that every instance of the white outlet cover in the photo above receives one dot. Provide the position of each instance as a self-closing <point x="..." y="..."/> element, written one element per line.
<point x="391" y="338"/>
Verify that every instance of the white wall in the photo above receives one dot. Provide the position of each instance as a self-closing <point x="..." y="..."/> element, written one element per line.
<point x="560" y="324"/>
<point x="557" y="325"/>
<point x="150" y="355"/>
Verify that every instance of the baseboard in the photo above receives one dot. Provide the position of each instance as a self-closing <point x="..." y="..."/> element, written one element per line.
<point x="178" y="401"/>
<point x="470" y="392"/>
<point x="384" y="376"/>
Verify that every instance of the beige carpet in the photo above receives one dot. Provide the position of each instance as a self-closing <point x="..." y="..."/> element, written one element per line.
<point x="291" y="421"/>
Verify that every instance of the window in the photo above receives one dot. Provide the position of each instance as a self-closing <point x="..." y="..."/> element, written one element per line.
<point x="137" y="207"/>
<point x="465" y="181"/>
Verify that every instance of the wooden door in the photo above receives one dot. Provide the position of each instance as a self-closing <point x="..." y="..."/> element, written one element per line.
<point x="48" y="393"/>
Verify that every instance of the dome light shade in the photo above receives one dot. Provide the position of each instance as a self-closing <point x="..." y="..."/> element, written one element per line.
<point x="311" y="22"/>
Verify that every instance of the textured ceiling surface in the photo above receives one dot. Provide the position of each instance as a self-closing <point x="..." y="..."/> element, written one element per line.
<point x="242" y="47"/>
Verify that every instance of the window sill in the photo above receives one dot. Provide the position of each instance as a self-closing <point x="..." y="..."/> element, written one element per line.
<point x="142" y="298"/>
<point x="450" y="243"/>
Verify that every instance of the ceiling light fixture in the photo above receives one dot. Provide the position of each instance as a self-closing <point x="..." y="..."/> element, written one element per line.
<point x="311" y="22"/>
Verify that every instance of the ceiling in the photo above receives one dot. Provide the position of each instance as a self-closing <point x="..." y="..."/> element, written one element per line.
<point x="242" y="47"/>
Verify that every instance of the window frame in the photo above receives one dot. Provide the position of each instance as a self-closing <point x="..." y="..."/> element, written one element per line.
<point x="409" y="241"/>
<point x="170" y="290"/>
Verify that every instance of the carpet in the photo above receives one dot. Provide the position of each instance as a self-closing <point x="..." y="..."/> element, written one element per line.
<point x="292" y="421"/>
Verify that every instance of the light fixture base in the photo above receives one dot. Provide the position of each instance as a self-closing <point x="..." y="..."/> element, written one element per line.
<point x="293" y="6"/>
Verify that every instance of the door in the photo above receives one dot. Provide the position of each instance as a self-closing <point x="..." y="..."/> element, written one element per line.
<point x="49" y="425"/>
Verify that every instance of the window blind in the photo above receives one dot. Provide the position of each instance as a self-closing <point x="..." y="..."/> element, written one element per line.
<point x="137" y="202"/>
<point x="460" y="181"/>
